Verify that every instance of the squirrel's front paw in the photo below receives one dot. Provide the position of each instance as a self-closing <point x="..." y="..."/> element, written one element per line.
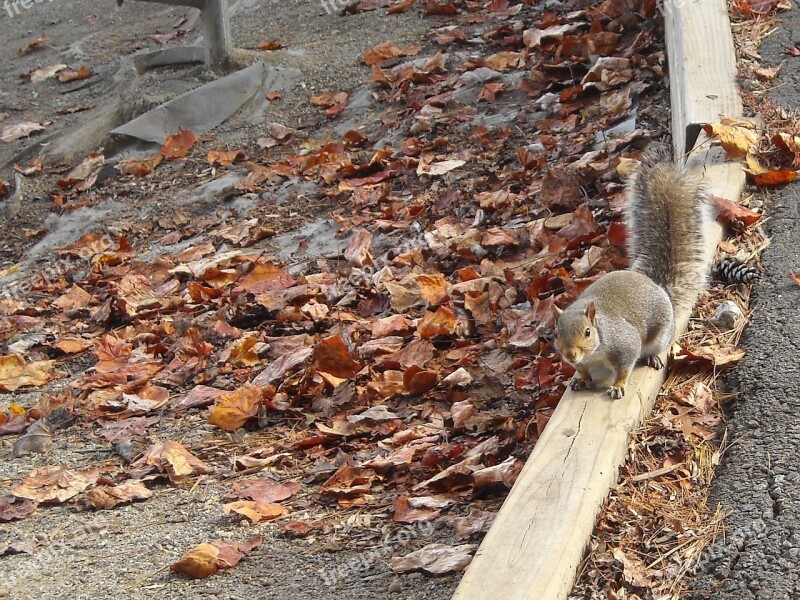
<point x="578" y="384"/>
<point x="654" y="362"/>
<point x="616" y="391"/>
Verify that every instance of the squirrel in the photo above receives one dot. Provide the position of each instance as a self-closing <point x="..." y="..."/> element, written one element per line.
<point x="629" y="315"/>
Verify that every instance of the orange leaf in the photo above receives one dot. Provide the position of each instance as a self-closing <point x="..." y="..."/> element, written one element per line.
<point x="226" y="157"/>
<point x="737" y="137"/>
<point x="139" y="167"/>
<point x="418" y="381"/>
<point x="332" y="356"/>
<point x="270" y="45"/>
<point x="71" y="75"/>
<point x="728" y="211"/>
<point x="231" y="411"/>
<point x="775" y="177"/>
<point x="255" y="512"/>
<point x="441" y="322"/>
<point x="178" y="144"/>
<point x="208" y="558"/>
<point x="199" y="562"/>
<point x="15" y="373"/>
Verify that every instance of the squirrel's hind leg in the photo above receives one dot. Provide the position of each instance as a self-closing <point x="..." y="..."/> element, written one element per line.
<point x="654" y="362"/>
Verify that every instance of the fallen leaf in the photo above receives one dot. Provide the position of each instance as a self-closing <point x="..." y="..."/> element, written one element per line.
<point x="270" y="45"/>
<point x="177" y="145"/>
<point x="737" y="137"/>
<point x="255" y="512"/>
<point x="13" y="509"/>
<point x="729" y="211"/>
<point x="263" y="490"/>
<point x="388" y="50"/>
<point x="36" y="440"/>
<point x="15" y="373"/>
<point x="332" y="355"/>
<point x="208" y="558"/>
<point x="435" y="559"/>
<point x="232" y="410"/>
<point x="441" y="322"/>
<point x="226" y="157"/>
<point x="40" y="75"/>
<point x="775" y="177"/>
<point x="438" y="168"/>
<point x="359" y="249"/>
<point x="139" y="166"/>
<point x="84" y="176"/>
<point x="11" y="133"/>
<point x="36" y="44"/>
<point x="56" y="484"/>
<point x="104" y="497"/>
<point x="170" y="458"/>
<point x="68" y="75"/>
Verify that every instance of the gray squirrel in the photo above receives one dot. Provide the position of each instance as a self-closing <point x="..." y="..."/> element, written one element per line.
<point x="629" y="315"/>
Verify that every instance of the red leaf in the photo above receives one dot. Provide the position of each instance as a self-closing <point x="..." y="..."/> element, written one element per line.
<point x="728" y="211"/>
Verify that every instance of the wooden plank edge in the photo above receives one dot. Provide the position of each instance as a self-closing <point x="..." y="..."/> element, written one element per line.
<point x="537" y="541"/>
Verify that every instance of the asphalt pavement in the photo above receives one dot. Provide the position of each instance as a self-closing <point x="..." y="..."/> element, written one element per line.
<point x="758" y="483"/>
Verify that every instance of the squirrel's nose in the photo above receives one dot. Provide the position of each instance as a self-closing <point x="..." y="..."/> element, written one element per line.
<point x="572" y="355"/>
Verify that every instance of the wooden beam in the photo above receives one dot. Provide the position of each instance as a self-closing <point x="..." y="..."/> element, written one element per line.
<point x="538" y="539"/>
<point x="702" y="67"/>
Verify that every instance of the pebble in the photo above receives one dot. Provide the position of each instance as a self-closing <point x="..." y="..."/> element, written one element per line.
<point x="395" y="587"/>
<point x="3" y="592"/>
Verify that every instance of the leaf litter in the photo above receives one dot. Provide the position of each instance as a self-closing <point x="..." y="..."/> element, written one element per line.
<point x="413" y="369"/>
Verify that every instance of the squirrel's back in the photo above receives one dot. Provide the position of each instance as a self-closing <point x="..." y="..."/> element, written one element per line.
<point x="666" y="217"/>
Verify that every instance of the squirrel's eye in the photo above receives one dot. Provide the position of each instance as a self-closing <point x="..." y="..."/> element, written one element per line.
<point x="588" y="332"/>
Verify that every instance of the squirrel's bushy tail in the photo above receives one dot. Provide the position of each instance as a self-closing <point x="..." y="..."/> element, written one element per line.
<point x="667" y="214"/>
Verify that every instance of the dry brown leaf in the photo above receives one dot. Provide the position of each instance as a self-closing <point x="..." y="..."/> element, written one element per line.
<point x="441" y="322"/>
<point x="36" y="44"/>
<point x="737" y="137"/>
<point x="68" y="75"/>
<point x="388" y="50"/>
<point x="263" y="490"/>
<point x="172" y="459"/>
<point x="15" y="373"/>
<point x="775" y="177"/>
<point x="37" y="439"/>
<point x="226" y="157"/>
<point x="141" y="166"/>
<point x="255" y="512"/>
<point x="12" y="509"/>
<point x="208" y="558"/>
<point x="11" y="133"/>
<point x="56" y="484"/>
<point x="359" y="249"/>
<point x="729" y="211"/>
<point x="332" y="355"/>
<point x="232" y="410"/>
<point x="105" y="497"/>
<point x="435" y="559"/>
<point x="177" y="145"/>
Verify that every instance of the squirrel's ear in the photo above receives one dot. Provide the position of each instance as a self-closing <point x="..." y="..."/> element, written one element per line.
<point x="557" y="312"/>
<point x="591" y="311"/>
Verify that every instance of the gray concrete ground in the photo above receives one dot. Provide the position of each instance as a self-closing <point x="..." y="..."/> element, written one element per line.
<point x="758" y="485"/>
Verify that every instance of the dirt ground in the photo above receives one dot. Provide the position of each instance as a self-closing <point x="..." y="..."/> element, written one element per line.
<point x="61" y="552"/>
<point x="126" y="553"/>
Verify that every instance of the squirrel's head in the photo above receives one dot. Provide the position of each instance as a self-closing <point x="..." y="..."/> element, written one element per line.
<point x="576" y="332"/>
